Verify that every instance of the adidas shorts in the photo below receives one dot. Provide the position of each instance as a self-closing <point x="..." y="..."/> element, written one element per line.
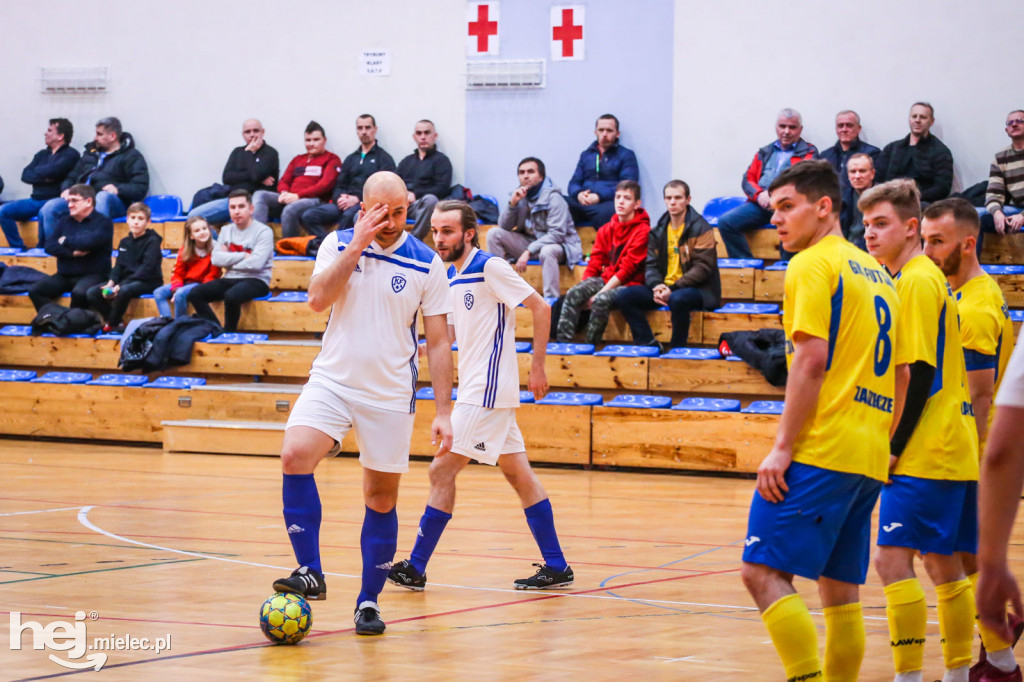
<point x="382" y="436"/>
<point x="929" y="515"/>
<point x="485" y="433"/>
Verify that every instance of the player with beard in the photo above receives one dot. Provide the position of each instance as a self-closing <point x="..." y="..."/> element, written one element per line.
<point x="485" y="292"/>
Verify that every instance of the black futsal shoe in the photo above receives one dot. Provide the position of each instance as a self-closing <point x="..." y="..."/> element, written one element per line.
<point x="546" y="578"/>
<point x="404" y="574"/>
<point x="303" y="581"/>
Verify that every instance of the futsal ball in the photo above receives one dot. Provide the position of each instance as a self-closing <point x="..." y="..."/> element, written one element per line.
<point x="285" y="618"/>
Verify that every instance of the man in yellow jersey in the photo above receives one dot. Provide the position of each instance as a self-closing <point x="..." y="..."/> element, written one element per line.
<point x="816" y="489"/>
<point x="950" y="231"/>
<point x="930" y="505"/>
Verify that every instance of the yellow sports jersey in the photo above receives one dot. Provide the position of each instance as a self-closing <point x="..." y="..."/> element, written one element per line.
<point x="675" y="269"/>
<point x="837" y="292"/>
<point x="986" y="330"/>
<point x="944" y="444"/>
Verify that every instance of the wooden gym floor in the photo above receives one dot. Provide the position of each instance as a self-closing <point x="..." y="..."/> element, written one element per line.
<point x="188" y="545"/>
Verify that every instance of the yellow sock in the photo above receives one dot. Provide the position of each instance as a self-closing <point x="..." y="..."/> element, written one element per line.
<point x="794" y="636"/>
<point x="844" y="642"/>
<point x="908" y="621"/>
<point x="956" y="621"/>
<point x="991" y="640"/>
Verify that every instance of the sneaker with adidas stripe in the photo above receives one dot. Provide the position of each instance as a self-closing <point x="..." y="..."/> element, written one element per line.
<point x="303" y="581"/>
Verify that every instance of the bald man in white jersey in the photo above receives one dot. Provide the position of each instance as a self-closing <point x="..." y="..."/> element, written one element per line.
<point x="485" y="291"/>
<point x="376" y="279"/>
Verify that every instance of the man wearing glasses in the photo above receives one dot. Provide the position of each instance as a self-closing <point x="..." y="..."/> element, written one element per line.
<point x="847" y="144"/>
<point x="1005" y="196"/>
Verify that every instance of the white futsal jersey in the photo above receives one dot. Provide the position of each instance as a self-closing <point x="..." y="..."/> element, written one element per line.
<point x="484" y="297"/>
<point x="369" y="348"/>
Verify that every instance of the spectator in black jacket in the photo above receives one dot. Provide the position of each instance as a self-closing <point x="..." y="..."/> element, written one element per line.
<point x="348" y="188"/>
<point x="45" y="173"/>
<point x="428" y="175"/>
<point x="847" y="144"/>
<point x="112" y="166"/>
<point x="920" y="156"/>
<point x="138" y="270"/>
<point x="81" y="242"/>
<point x="252" y="167"/>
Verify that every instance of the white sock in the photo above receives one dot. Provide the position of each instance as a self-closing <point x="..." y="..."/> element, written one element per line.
<point x="957" y="674"/>
<point x="1003" y="659"/>
<point x="913" y="676"/>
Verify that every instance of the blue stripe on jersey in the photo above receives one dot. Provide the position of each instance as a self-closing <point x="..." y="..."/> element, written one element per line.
<point x="476" y="266"/>
<point x="976" y="360"/>
<point x="491" y="389"/>
<point x="451" y="271"/>
<point x="470" y="280"/>
<point x="414" y="249"/>
<point x="395" y="261"/>
<point x="344" y="238"/>
<point x="833" y="323"/>
<point x="413" y="364"/>
<point x="940" y="353"/>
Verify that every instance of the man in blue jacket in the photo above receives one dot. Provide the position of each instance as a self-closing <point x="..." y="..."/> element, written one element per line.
<point x="81" y="242"/>
<point x="601" y="167"/>
<point x="45" y="173"/>
<point x="112" y="166"/>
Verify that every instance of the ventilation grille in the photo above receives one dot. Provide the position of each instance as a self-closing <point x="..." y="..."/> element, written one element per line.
<point x="504" y="75"/>
<point x="83" y="80"/>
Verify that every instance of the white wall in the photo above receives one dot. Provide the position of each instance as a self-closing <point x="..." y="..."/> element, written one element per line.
<point x="185" y="74"/>
<point x="738" y="63"/>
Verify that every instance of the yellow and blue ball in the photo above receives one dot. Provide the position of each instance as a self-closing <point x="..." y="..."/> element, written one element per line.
<point x="285" y="618"/>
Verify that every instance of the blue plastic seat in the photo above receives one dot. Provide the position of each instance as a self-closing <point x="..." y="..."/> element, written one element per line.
<point x="763" y="407"/>
<point x="719" y="206"/>
<point x="63" y="378"/>
<point x="289" y="297"/>
<point x="623" y="351"/>
<point x="523" y="346"/>
<point x="570" y="349"/>
<point x="109" y="335"/>
<point x="35" y="253"/>
<point x="778" y="265"/>
<point x="526" y="397"/>
<point x="708" y="405"/>
<point x="236" y="337"/>
<point x="550" y="300"/>
<point x="9" y="251"/>
<point x="118" y="380"/>
<point x="1017" y="315"/>
<point x="641" y="402"/>
<point x="17" y="375"/>
<point x="427" y="393"/>
<point x="175" y="382"/>
<point x="571" y="399"/>
<point x="737" y="263"/>
<point x="164" y="207"/>
<point x="750" y="308"/>
<point x="692" y="354"/>
<point x="276" y="257"/>
<point x="1003" y="269"/>
<point x="16" y="330"/>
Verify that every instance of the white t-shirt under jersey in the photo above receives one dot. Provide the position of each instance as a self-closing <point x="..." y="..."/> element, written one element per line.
<point x="484" y="297"/>
<point x="369" y="348"/>
<point x="1011" y="390"/>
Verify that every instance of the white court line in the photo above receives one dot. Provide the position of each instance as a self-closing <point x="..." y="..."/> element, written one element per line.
<point x="38" y="511"/>
<point x="83" y="518"/>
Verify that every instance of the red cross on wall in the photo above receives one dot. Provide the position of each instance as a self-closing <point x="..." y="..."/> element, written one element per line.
<point x="482" y="28"/>
<point x="567" y="33"/>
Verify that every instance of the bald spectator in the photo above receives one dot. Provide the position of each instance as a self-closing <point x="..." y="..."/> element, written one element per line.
<point x="920" y="156"/>
<point x="860" y="172"/>
<point x="601" y="167"/>
<point x="1004" y="199"/>
<point x="847" y="144"/>
<point x="428" y="177"/>
<point x="252" y="167"/>
<point x="770" y="160"/>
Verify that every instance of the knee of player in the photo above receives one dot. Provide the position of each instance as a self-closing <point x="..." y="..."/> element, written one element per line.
<point x="297" y="460"/>
<point x="753" y="576"/>
<point x="441" y="474"/>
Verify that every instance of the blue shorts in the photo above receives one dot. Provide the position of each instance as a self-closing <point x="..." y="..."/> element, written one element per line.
<point x="929" y="515"/>
<point x="821" y="528"/>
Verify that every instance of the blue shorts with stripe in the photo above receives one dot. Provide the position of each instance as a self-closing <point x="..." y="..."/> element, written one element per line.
<point x="821" y="528"/>
<point x="929" y="515"/>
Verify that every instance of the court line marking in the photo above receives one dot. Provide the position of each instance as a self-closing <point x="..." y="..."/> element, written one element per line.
<point x="37" y="511"/>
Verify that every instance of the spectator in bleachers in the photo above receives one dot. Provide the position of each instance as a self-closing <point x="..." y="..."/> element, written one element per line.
<point x="45" y="173"/>
<point x="617" y="260"/>
<point x="536" y="224"/>
<point x="428" y="175"/>
<point x="112" y="166"/>
<point x="1004" y="198"/>
<point x="193" y="266"/>
<point x="681" y="270"/>
<point x="253" y="166"/>
<point x="81" y="242"/>
<point x="348" y="189"/>
<point x="245" y="252"/>
<point x="920" y="156"/>
<point x="848" y="143"/>
<point x="601" y="167"/>
<point x="138" y="270"/>
<point x="304" y="185"/>
<point x="860" y="172"/>
<point x="770" y="160"/>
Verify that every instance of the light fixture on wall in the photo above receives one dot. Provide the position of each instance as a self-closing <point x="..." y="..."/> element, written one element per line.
<point x="507" y="74"/>
<point x="77" y="80"/>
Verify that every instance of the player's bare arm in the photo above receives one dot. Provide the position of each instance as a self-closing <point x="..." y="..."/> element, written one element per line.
<point x="325" y="288"/>
<point x="982" y="386"/>
<point x="541" y="312"/>
<point x="439" y="359"/>
<point x="806" y="375"/>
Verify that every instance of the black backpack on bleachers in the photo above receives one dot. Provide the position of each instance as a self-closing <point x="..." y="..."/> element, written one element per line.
<point x="53" y="318"/>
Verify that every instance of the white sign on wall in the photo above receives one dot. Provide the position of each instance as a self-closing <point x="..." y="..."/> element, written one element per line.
<point x="482" y="28"/>
<point x="567" y="27"/>
<point x="375" y="63"/>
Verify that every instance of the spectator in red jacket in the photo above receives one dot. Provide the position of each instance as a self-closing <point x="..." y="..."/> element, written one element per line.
<point x="192" y="267"/>
<point x="306" y="183"/>
<point x="617" y="259"/>
<point x="769" y="161"/>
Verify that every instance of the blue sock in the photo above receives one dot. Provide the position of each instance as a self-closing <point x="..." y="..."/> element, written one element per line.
<point x="542" y="524"/>
<point x="432" y="524"/>
<point x="378" y="541"/>
<point x="302" y="515"/>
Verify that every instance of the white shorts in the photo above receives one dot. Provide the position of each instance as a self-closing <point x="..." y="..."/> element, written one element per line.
<point x="485" y="433"/>
<point x="382" y="436"/>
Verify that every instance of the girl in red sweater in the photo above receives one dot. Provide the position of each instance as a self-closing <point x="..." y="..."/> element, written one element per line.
<point x="192" y="267"/>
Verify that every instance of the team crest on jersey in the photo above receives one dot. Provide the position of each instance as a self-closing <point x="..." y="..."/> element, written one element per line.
<point x="468" y="298"/>
<point x="397" y="283"/>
